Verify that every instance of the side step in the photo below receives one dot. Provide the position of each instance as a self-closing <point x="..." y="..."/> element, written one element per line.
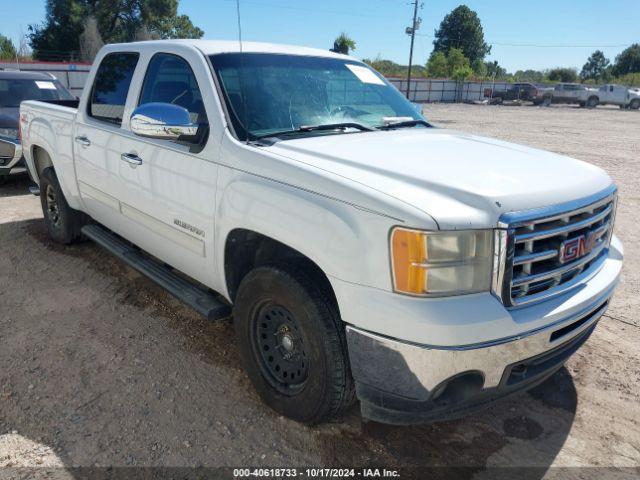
<point x="201" y="300"/>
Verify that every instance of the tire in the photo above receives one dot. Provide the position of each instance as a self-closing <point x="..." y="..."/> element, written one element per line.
<point x="592" y="102"/>
<point x="635" y="104"/>
<point x="292" y="344"/>
<point x="63" y="223"/>
<point x="546" y="101"/>
<point x="581" y="104"/>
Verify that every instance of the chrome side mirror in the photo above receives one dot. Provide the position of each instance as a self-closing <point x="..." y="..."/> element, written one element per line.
<point x="162" y="121"/>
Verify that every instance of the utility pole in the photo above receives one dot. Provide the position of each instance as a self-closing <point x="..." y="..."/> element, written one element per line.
<point x="415" y="25"/>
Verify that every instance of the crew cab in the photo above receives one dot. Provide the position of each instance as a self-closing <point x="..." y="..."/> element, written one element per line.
<point x="15" y="87"/>
<point x="361" y="251"/>
<point x="567" y="93"/>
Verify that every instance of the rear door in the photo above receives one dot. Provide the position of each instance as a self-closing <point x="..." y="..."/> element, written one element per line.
<point x="97" y="137"/>
<point x="169" y="195"/>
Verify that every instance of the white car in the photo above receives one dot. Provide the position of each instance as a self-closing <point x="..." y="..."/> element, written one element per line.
<point x="362" y="251"/>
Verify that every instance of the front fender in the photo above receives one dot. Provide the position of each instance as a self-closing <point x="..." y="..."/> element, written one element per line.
<point x="344" y="241"/>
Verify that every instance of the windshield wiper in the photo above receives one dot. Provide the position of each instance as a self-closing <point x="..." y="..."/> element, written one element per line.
<point x="315" y="128"/>
<point x="403" y="123"/>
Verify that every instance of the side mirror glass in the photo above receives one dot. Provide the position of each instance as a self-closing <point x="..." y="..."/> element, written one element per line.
<point x="163" y="121"/>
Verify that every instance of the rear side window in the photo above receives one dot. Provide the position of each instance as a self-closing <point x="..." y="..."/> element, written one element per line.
<point x="169" y="79"/>
<point x="111" y="85"/>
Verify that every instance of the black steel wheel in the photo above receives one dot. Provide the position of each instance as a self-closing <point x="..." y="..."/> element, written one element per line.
<point x="280" y="349"/>
<point x="292" y="343"/>
<point x="63" y="223"/>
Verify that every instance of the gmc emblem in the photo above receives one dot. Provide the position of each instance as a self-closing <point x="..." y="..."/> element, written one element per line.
<point x="578" y="247"/>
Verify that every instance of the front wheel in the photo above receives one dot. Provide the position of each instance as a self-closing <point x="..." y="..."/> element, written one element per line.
<point x="63" y="222"/>
<point x="592" y="102"/>
<point x="292" y="344"/>
<point x="635" y="104"/>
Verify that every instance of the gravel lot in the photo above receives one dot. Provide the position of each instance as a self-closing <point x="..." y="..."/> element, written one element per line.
<point x="99" y="367"/>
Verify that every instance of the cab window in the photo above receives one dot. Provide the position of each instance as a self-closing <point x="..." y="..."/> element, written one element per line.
<point x="111" y="86"/>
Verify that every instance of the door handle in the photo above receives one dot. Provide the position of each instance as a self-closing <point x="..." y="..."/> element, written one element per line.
<point x="84" y="141"/>
<point x="131" y="158"/>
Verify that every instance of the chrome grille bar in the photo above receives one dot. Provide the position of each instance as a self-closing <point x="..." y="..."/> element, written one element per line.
<point x="571" y="227"/>
<point x="557" y="272"/>
<point x="535" y="257"/>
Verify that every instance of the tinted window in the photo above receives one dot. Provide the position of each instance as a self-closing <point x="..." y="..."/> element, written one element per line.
<point x="110" y="88"/>
<point x="12" y="92"/>
<point x="170" y="79"/>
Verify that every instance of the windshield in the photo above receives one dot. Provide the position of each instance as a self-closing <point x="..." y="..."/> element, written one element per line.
<point x="286" y="92"/>
<point x="12" y="92"/>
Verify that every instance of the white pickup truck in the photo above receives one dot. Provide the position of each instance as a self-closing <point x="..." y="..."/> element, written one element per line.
<point x="620" y="95"/>
<point x="362" y="251"/>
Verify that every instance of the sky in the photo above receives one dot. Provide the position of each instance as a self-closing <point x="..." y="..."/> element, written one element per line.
<point x="525" y="34"/>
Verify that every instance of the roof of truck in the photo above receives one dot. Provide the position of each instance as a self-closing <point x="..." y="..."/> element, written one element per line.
<point x="212" y="47"/>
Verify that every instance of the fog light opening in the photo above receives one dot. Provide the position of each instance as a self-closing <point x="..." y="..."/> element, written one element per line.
<point x="458" y="389"/>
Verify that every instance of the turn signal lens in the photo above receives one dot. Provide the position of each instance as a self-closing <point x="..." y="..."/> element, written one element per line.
<point x="441" y="263"/>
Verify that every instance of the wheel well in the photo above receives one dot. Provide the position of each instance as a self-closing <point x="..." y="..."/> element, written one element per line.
<point x="245" y="250"/>
<point x="41" y="159"/>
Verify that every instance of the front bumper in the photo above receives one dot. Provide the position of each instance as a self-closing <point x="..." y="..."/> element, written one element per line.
<point x="400" y="381"/>
<point x="11" y="158"/>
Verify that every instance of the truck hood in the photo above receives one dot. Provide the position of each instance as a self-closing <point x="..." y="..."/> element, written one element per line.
<point x="460" y="180"/>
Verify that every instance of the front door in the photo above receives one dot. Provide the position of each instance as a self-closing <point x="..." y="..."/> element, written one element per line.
<point x="168" y="188"/>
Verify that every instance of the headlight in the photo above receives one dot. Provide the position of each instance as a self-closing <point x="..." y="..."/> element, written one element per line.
<point x="9" y="132"/>
<point x="441" y="263"/>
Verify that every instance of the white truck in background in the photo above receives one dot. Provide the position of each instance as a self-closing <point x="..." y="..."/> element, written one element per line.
<point x="362" y="251"/>
<point x="620" y="95"/>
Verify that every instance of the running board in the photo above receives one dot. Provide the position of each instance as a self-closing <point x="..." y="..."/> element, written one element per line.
<point x="201" y="300"/>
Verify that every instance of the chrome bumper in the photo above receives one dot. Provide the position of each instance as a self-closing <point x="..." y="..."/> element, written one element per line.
<point x="11" y="164"/>
<point x="399" y="382"/>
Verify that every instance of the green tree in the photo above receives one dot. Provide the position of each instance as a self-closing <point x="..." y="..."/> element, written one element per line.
<point x="528" y="76"/>
<point x="462" y="29"/>
<point x="117" y="21"/>
<point x="479" y="68"/>
<point x="596" y="66"/>
<point x="7" y="49"/>
<point x="343" y="43"/>
<point x="564" y="75"/>
<point x="437" y="65"/>
<point x="628" y="61"/>
<point x="495" y="70"/>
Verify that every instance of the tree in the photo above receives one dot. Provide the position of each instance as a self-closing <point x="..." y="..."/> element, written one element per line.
<point x="596" y="66"/>
<point x="437" y="65"/>
<point x="343" y="43"/>
<point x="628" y="61"/>
<point x="528" y="76"/>
<point x="7" y="50"/>
<point x="90" y="40"/>
<point x="117" y="21"/>
<point x="495" y="70"/>
<point x="462" y="29"/>
<point x="564" y="75"/>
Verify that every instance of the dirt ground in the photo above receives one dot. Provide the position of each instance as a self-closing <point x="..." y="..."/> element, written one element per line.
<point x="99" y="367"/>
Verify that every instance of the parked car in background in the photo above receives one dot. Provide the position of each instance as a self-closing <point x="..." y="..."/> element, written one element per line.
<point x="575" y="93"/>
<point x="517" y="91"/>
<point x="620" y="95"/>
<point x="15" y="87"/>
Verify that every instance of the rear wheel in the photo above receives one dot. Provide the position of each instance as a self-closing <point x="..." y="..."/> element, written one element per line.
<point x="546" y="101"/>
<point x="292" y="344"/>
<point x="63" y="222"/>
<point x="592" y="102"/>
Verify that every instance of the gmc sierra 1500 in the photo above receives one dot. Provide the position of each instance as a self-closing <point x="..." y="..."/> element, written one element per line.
<point x="365" y="253"/>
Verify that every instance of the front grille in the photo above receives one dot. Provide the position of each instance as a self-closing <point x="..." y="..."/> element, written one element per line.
<point x="539" y="245"/>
